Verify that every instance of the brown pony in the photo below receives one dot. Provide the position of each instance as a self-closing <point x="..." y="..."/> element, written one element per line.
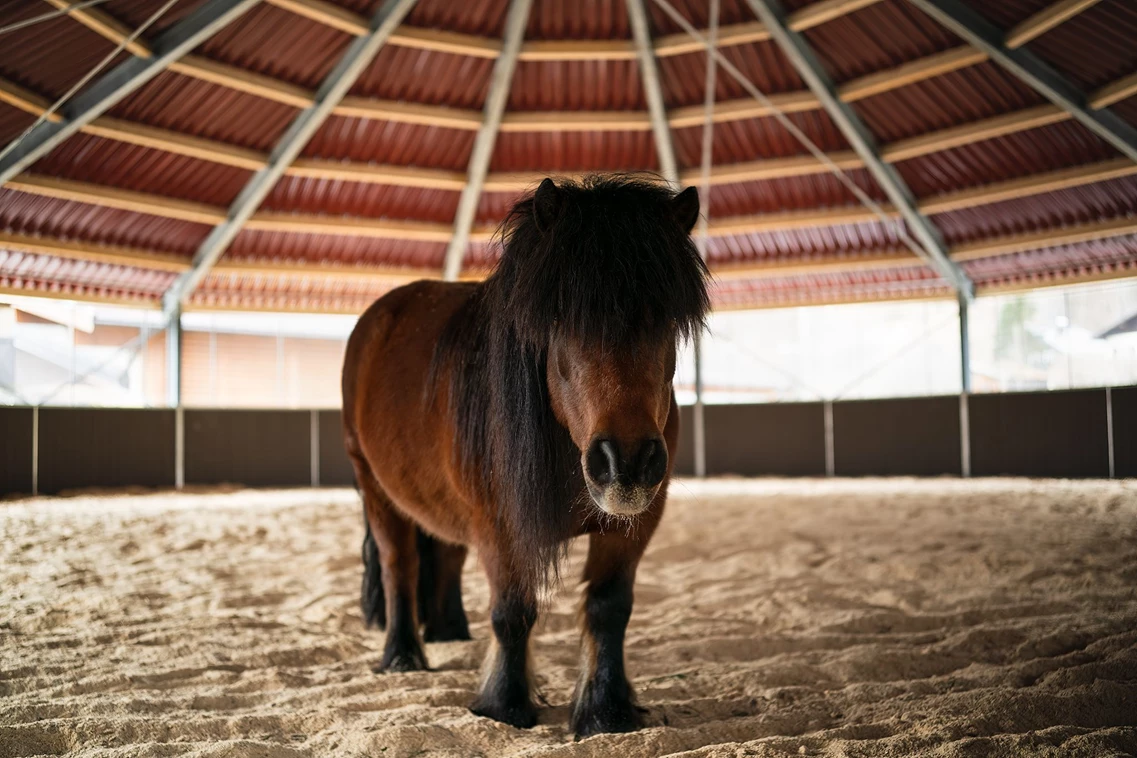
<point x="515" y="414"/>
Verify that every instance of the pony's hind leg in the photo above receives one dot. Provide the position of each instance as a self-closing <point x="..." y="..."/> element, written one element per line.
<point x="440" y="590"/>
<point x="394" y="538"/>
<point x="603" y="700"/>
<point x="504" y="693"/>
<point x="372" y="603"/>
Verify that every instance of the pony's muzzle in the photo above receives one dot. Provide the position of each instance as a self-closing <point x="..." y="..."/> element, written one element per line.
<point x="623" y="482"/>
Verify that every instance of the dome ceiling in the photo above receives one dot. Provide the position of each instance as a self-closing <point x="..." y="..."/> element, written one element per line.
<point x="1022" y="194"/>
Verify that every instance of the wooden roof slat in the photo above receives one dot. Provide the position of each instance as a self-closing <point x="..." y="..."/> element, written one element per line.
<point x="1114" y="92"/>
<point x="239" y="79"/>
<point x="1045" y="20"/>
<point x="409" y="113"/>
<point x="578" y="50"/>
<point x="1035" y="184"/>
<point x="1047" y="238"/>
<point x="80" y="251"/>
<point x="731" y="35"/>
<point x="148" y="203"/>
<point x="174" y="142"/>
<point x="576" y="121"/>
<point x="103" y="25"/>
<point x="743" y="108"/>
<point x="818" y="13"/>
<point x="976" y="131"/>
<point x="120" y="199"/>
<point x="439" y="41"/>
<point x="322" y="270"/>
<point x="986" y="248"/>
<point x="670" y="45"/>
<point x="325" y="13"/>
<point x="773" y="168"/>
<point x="371" y="173"/>
<point x="345" y="225"/>
<point x="915" y="71"/>
<point x="29" y="102"/>
<point x="1050" y="279"/>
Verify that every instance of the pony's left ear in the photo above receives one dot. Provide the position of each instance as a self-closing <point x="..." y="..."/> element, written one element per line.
<point x="546" y="205"/>
<point x="685" y="206"/>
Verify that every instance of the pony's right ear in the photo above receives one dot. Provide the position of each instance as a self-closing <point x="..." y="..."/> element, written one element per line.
<point x="686" y="208"/>
<point x="546" y="205"/>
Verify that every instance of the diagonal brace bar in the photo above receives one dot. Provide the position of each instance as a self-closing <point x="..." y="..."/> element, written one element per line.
<point x="359" y="54"/>
<point x="484" y="142"/>
<point x="794" y="45"/>
<point x="121" y="81"/>
<point x="1028" y="67"/>
<point x="653" y="91"/>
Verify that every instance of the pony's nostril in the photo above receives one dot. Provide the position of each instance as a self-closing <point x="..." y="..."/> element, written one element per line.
<point x="651" y="463"/>
<point x="603" y="462"/>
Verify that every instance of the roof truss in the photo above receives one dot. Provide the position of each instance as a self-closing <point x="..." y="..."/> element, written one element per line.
<point x="1032" y="70"/>
<point x="120" y="82"/>
<point x="480" y="156"/>
<point x="355" y="59"/>
<point x="653" y="91"/>
<point x="794" y="45"/>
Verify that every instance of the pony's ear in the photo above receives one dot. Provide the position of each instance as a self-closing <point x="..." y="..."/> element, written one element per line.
<point x="685" y="206"/>
<point x="546" y="205"/>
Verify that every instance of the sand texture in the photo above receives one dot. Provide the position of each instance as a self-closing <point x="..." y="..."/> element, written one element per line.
<point x="772" y="618"/>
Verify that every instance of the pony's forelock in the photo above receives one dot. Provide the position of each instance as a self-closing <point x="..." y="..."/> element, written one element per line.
<point x="613" y="265"/>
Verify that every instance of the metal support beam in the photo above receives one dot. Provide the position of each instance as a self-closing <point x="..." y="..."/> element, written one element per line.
<point x="35" y="450"/>
<point x="669" y="169"/>
<point x="706" y="159"/>
<point x="484" y="142"/>
<point x="179" y="448"/>
<point x="174" y="359"/>
<point x="121" y="81"/>
<point x="965" y="435"/>
<point x="1028" y="67"/>
<point x="314" y="446"/>
<point x="965" y="387"/>
<point x="830" y="442"/>
<point x="964" y="345"/>
<point x="794" y="45"/>
<point x="359" y="54"/>
<point x="1109" y="432"/>
<point x="653" y="91"/>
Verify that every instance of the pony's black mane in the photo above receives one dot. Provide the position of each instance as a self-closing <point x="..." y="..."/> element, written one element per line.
<point x="609" y="263"/>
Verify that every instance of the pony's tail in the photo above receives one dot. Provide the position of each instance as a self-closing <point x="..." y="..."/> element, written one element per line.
<point x="371" y="599"/>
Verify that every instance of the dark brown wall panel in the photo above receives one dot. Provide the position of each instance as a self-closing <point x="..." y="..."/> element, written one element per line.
<point x="254" y="448"/>
<point x="897" y="437"/>
<point x="1046" y="434"/>
<point x="105" y="447"/>
<point x="1125" y="431"/>
<point x="778" y="439"/>
<point x="335" y="469"/>
<point x="15" y="451"/>
<point x="685" y="458"/>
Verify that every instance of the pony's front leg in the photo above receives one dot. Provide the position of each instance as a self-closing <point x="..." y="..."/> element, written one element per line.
<point x="603" y="700"/>
<point x="504" y="693"/>
<point x="394" y="535"/>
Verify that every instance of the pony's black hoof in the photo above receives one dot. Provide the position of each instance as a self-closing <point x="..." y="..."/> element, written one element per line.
<point x="446" y="633"/>
<point x="599" y="718"/>
<point x="397" y="662"/>
<point x="522" y="716"/>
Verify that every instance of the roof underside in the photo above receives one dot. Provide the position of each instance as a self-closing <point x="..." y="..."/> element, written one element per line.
<point x="1022" y="194"/>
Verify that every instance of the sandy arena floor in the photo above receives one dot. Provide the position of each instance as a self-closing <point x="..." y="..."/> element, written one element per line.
<point x="858" y="618"/>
